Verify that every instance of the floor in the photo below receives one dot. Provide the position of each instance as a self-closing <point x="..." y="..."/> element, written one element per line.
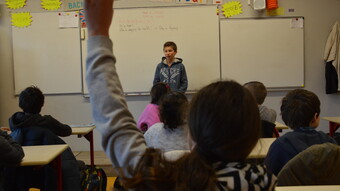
<point x="100" y="160"/>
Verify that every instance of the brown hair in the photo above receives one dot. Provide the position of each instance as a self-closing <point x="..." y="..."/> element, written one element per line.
<point x="158" y="90"/>
<point x="258" y="90"/>
<point x="224" y="122"/>
<point x="173" y="109"/>
<point x="298" y="108"/>
<point x="170" y="44"/>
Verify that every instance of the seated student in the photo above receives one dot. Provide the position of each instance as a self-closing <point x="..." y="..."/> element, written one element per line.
<point x="172" y="133"/>
<point x="259" y="91"/>
<point x="300" y="110"/>
<point x="224" y="123"/>
<point x="11" y="153"/>
<point x="150" y="115"/>
<point x="31" y="100"/>
<point x="31" y="128"/>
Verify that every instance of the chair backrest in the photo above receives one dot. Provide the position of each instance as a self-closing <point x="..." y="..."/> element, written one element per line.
<point x="268" y="129"/>
<point x="317" y="165"/>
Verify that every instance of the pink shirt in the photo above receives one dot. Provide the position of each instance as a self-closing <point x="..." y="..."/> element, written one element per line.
<point x="149" y="116"/>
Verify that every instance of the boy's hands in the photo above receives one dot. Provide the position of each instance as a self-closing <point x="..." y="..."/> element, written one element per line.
<point x="98" y="15"/>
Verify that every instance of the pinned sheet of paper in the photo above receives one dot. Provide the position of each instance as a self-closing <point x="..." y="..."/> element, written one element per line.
<point x="296" y="23"/>
<point x="50" y="4"/>
<point x="15" y="4"/>
<point x="68" y="19"/>
<point x="21" y="19"/>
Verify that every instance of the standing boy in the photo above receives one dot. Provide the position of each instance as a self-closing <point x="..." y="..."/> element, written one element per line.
<point x="300" y="110"/>
<point x="171" y="70"/>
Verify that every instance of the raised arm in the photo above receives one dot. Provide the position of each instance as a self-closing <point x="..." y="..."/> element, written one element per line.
<point x="121" y="139"/>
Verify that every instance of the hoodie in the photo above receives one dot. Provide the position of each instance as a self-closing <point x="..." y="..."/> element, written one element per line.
<point x="175" y="75"/>
<point x="22" y="120"/>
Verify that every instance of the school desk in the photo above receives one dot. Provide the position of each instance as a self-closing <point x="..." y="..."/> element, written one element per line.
<point x="308" y="188"/>
<point x="334" y="123"/>
<point x="87" y="132"/>
<point x="280" y="126"/>
<point x="261" y="149"/>
<point x="43" y="155"/>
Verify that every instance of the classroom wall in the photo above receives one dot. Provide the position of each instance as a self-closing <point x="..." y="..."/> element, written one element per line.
<point x="75" y="109"/>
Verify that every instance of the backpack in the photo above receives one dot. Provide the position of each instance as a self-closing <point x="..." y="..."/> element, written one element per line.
<point x="93" y="179"/>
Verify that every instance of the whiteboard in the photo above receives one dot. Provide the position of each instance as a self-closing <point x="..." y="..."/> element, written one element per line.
<point x="266" y="50"/>
<point x="47" y="56"/>
<point x="138" y="36"/>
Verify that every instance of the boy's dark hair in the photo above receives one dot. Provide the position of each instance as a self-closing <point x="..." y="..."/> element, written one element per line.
<point x="158" y="91"/>
<point x="171" y="44"/>
<point x="173" y="109"/>
<point x="258" y="90"/>
<point x="298" y="108"/>
<point x="31" y="100"/>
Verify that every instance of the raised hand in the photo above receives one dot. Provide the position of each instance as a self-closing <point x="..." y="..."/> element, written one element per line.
<point x="98" y="16"/>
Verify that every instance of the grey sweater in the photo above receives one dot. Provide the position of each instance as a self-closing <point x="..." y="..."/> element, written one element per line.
<point x="121" y="139"/>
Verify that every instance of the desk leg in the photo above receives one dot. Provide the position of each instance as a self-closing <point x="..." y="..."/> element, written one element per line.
<point x="57" y="164"/>
<point x="332" y="128"/>
<point x="89" y="137"/>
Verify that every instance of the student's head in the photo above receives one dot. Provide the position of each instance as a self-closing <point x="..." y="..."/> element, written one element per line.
<point x="173" y="109"/>
<point x="158" y="91"/>
<point x="299" y="108"/>
<point x="224" y="121"/>
<point x="258" y="90"/>
<point x="170" y="49"/>
<point x="31" y="100"/>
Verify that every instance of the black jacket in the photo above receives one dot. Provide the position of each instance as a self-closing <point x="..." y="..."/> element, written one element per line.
<point x="22" y="120"/>
<point x="11" y="153"/>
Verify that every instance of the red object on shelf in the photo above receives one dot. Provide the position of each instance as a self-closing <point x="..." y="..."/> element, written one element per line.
<point x="272" y="4"/>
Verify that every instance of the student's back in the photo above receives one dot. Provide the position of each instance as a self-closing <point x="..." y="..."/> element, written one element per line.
<point x="259" y="91"/>
<point x="300" y="110"/>
<point x="172" y="133"/>
<point x="31" y="100"/>
<point x="150" y="114"/>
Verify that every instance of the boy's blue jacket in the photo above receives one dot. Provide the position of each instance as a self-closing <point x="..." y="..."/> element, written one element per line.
<point x="292" y="143"/>
<point x="175" y="75"/>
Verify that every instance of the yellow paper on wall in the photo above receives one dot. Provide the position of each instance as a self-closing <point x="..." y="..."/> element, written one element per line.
<point x="232" y="8"/>
<point x="50" y="4"/>
<point x="15" y="4"/>
<point x="276" y="12"/>
<point x="21" y="19"/>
